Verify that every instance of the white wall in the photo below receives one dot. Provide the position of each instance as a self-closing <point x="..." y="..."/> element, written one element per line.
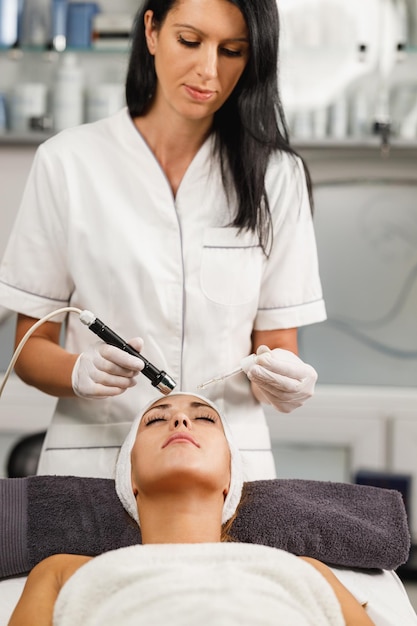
<point x="15" y="162"/>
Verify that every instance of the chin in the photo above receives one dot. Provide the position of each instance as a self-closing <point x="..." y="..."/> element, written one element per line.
<point x="189" y="477"/>
<point x="197" y="112"/>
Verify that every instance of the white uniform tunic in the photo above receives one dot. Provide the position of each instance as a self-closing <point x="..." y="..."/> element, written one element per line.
<point x="100" y="229"/>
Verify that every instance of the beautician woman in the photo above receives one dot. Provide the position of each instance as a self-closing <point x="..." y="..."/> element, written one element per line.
<point x="183" y="219"/>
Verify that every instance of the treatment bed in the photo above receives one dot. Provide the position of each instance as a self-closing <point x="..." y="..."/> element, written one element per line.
<point x="360" y="531"/>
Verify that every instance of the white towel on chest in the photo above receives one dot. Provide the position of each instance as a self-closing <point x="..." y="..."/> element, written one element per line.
<point x="217" y="584"/>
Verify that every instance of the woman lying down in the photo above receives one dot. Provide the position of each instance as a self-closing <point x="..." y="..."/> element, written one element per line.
<point x="180" y="477"/>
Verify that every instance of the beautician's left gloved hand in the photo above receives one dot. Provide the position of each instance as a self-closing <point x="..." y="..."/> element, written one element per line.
<point x="281" y="378"/>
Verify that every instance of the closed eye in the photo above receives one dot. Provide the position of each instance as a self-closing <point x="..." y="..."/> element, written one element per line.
<point x="187" y="42"/>
<point x="207" y="418"/>
<point x="231" y="53"/>
<point x="152" y="420"/>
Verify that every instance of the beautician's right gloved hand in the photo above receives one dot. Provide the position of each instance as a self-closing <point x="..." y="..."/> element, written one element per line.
<point x="102" y="370"/>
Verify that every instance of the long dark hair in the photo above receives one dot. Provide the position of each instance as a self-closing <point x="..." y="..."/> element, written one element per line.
<point x="251" y="123"/>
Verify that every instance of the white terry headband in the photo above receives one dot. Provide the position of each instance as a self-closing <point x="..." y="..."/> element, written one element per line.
<point x="124" y="468"/>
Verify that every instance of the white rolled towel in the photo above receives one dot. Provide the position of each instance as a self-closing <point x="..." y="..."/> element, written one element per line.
<point x="212" y="584"/>
<point x="124" y="468"/>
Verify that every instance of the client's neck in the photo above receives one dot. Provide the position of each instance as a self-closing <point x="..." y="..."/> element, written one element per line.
<point x="180" y="520"/>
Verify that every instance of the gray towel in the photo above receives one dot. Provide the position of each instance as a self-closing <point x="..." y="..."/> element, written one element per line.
<point x="346" y="525"/>
<point x="354" y="526"/>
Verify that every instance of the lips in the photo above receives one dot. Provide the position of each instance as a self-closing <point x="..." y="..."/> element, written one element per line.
<point x="181" y="438"/>
<point x="202" y="95"/>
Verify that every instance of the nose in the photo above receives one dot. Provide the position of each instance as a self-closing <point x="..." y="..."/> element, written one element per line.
<point x="207" y="68"/>
<point x="179" y="420"/>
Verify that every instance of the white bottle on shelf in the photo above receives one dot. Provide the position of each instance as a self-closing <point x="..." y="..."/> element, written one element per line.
<point x="35" y="25"/>
<point x="68" y="94"/>
<point x="103" y="100"/>
<point x="26" y="100"/>
<point x="408" y="126"/>
<point x="338" y="121"/>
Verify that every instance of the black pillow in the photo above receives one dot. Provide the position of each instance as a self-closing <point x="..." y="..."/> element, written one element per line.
<point x="354" y="526"/>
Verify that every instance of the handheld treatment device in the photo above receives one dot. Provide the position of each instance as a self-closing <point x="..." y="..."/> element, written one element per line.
<point x="159" y="379"/>
<point x="247" y="361"/>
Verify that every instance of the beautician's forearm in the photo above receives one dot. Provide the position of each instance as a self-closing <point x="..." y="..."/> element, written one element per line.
<point x="285" y="338"/>
<point x="43" y="363"/>
<point x="47" y="367"/>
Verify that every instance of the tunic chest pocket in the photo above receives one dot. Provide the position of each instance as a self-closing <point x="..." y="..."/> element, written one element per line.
<point x="231" y="266"/>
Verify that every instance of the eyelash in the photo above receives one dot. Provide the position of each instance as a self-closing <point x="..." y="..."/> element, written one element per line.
<point x="194" y="44"/>
<point x="152" y="420"/>
<point x="207" y="418"/>
<point x="188" y="44"/>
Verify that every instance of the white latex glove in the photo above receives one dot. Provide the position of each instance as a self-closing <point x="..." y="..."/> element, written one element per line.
<point x="281" y="378"/>
<point x="102" y="370"/>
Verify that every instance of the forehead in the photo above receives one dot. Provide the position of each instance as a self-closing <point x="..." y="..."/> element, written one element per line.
<point x="183" y="402"/>
<point x="207" y="14"/>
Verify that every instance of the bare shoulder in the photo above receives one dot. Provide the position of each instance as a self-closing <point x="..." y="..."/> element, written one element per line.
<point x="317" y="564"/>
<point x="42" y="588"/>
<point x="54" y="571"/>
<point x="60" y="566"/>
<point x="353" y="612"/>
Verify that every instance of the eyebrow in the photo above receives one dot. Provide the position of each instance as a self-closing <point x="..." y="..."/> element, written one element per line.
<point x="193" y="405"/>
<point x="200" y="32"/>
